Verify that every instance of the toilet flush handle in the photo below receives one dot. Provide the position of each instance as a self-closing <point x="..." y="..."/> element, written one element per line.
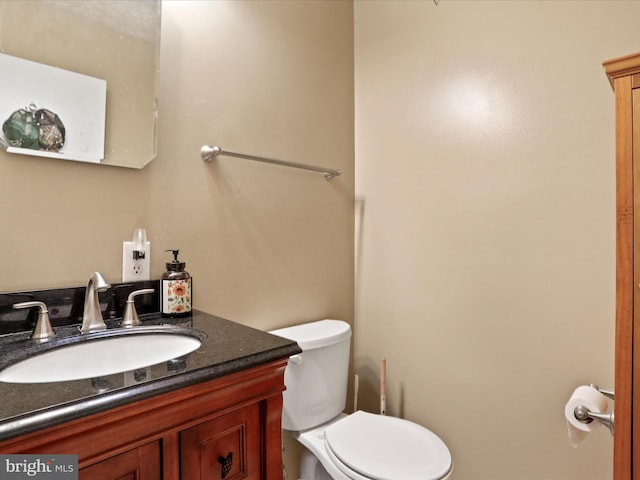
<point x="297" y="359"/>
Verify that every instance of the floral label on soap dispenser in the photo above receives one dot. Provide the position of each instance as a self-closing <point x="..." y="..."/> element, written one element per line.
<point x="177" y="296"/>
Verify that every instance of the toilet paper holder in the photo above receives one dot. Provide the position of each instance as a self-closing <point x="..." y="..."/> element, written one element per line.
<point x="584" y="415"/>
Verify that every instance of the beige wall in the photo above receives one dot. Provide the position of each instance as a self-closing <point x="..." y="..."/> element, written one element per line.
<point x="485" y="231"/>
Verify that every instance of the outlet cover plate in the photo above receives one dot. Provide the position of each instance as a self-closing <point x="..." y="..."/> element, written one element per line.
<point x="135" y="270"/>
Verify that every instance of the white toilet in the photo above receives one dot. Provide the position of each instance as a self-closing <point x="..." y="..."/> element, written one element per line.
<point x="360" y="446"/>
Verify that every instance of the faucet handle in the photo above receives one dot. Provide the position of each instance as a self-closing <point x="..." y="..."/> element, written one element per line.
<point x="130" y="315"/>
<point x="43" y="331"/>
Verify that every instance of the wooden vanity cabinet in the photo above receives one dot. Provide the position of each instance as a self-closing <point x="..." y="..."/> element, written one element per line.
<point x="227" y="428"/>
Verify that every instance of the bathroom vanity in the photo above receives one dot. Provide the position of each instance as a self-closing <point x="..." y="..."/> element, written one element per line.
<point x="214" y="413"/>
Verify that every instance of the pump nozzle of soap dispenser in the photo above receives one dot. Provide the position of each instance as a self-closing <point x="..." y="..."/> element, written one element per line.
<point x="175" y="264"/>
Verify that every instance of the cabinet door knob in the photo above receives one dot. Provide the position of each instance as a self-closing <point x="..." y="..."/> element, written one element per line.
<point x="225" y="463"/>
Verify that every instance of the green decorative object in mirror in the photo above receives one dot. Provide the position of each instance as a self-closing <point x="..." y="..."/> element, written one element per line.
<point x="21" y="130"/>
<point x="36" y="129"/>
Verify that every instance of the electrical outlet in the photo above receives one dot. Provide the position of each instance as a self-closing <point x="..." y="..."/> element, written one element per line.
<point x="132" y="269"/>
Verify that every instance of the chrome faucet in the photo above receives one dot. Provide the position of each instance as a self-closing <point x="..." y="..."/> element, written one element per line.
<point x="92" y="317"/>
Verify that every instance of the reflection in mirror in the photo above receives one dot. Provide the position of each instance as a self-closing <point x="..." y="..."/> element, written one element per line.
<point x="28" y="91"/>
<point x="112" y="40"/>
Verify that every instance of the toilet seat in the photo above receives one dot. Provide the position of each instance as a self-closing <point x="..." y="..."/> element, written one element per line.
<point x="366" y="446"/>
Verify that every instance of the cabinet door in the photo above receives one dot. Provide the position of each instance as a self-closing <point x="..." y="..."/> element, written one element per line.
<point x="142" y="463"/>
<point x="225" y="448"/>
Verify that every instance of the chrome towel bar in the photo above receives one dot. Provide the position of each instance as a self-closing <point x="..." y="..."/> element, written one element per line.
<point x="208" y="153"/>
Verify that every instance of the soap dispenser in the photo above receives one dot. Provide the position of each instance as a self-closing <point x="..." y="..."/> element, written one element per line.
<point x="176" y="289"/>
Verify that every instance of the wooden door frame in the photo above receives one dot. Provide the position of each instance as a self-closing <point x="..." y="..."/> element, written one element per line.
<point x="624" y="75"/>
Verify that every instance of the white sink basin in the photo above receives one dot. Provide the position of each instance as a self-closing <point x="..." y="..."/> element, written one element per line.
<point x="102" y="355"/>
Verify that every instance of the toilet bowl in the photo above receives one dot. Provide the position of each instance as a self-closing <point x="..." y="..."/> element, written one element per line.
<point x="360" y="446"/>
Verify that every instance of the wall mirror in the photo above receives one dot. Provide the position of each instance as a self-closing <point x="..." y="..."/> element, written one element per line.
<point x="113" y="40"/>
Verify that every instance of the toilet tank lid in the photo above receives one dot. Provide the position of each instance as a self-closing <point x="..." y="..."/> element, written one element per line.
<point x="316" y="334"/>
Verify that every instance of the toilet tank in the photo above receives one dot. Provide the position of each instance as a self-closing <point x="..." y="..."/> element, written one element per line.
<point x="316" y="379"/>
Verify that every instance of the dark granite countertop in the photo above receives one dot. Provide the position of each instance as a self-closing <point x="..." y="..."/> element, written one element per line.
<point x="228" y="347"/>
